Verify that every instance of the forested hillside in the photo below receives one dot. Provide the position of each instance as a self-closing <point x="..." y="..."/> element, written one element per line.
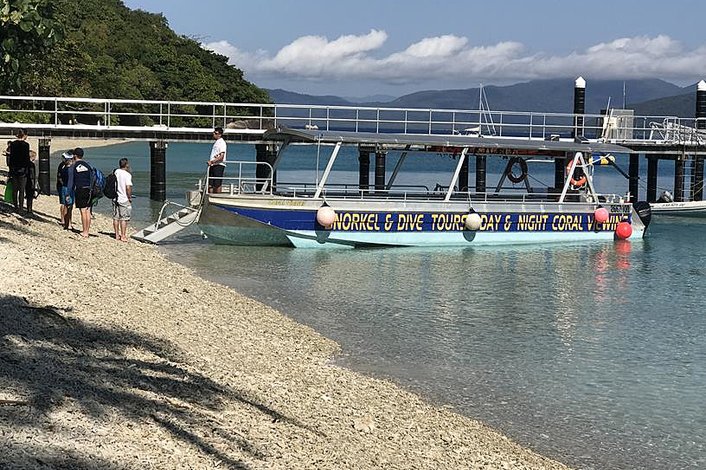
<point x="106" y="50"/>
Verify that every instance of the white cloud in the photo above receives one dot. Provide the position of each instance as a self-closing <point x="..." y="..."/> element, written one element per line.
<point x="453" y="58"/>
<point x="442" y="46"/>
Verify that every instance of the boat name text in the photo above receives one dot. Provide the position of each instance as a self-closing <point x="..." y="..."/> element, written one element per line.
<point x="490" y="222"/>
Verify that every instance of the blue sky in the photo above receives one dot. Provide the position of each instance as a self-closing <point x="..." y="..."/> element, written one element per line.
<point x="367" y="47"/>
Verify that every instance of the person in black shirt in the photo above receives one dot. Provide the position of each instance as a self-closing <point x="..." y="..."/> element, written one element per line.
<point x="18" y="164"/>
<point x="31" y="184"/>
<point x="66" y="194"/>
<point x="80" y="180"/>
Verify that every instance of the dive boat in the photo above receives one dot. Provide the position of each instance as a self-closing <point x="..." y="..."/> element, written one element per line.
<point x="259" y="210"/>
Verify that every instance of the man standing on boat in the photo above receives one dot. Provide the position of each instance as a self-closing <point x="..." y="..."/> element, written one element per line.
<point x="216" y="164"/>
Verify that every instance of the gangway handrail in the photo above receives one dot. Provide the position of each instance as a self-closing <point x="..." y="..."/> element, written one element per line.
<point x="168" y="203"/>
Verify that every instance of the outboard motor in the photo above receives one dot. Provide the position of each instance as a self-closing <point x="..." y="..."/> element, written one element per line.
<point x="644" y="211"/>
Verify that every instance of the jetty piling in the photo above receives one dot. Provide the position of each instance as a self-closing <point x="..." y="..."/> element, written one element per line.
<point x="158" y="170"/>
<point x="697" y="182"/>
<point x="634" y="177"/>
<point x="481" y="162"/>
<point x="579" y="106"/>
<point x="364" y="167"/>
<point x="380" y="157"/>
<point x="652" y="167"/>
<point x="679" y="178"/>
<point x="44" y="167"/>
<point x="265" y="153"/>
<point x="700" y="113"/>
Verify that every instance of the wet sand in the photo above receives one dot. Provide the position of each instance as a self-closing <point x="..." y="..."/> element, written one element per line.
<point x="113" y="357"/>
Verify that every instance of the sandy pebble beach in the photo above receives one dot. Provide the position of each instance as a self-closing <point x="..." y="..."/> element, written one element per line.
<point x="113" y="357"/>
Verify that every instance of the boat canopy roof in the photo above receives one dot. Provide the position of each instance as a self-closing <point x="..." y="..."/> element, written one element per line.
<point x="474" y="144"/>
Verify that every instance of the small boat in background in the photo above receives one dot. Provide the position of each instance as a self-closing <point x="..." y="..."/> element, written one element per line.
<point x="666" y="205"/>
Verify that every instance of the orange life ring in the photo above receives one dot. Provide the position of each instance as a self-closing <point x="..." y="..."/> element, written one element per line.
<point x="577" y="183"/>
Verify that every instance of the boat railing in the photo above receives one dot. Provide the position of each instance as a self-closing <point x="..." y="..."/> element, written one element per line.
<point x="244" y="184"/>
<point x="246" y="180"/>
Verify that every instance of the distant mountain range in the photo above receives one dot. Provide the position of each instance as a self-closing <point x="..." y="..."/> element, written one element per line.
<point x="648" y="97"/>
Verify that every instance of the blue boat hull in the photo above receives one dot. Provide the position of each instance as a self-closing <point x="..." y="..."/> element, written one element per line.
<point x="283" y="223"/>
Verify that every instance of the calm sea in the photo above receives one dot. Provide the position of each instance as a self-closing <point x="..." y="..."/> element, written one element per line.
<point x="593" y="354"/>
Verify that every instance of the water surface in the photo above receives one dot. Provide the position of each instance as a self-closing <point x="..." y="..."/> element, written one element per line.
<point x="593" y="354"/>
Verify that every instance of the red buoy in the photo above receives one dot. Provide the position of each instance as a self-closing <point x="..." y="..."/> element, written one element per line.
<point x="623" y="230"/>
<point x="601" y="215"/>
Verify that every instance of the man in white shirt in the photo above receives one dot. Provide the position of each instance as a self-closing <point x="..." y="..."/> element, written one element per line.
<point x="216" y="164"/>
<point x="122" y="205"/>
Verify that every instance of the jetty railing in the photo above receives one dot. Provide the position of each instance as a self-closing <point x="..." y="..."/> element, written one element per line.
<point x="45" y="114"/>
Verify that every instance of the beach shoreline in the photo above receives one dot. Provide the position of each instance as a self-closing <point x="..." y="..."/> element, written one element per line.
<point x="115" y="356"/>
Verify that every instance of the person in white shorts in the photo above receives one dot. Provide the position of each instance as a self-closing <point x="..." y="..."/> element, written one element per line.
<point x="122" y="206"/>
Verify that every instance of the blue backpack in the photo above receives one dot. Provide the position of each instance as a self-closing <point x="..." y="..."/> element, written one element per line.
<point x="97" y="183"/>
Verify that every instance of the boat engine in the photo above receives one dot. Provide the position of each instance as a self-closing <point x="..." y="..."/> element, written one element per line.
<point x="644" y="211"/>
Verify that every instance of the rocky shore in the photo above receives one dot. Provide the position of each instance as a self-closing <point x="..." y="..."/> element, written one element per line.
<point x="113" y="357"/>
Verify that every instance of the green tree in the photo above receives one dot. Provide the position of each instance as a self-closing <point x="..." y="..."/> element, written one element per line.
<point x="110" y="51"/>
<point x="27" y="29"/>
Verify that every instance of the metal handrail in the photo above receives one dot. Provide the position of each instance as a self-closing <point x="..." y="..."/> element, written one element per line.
<point x="37" y="112"/>
<point x="239" y="181"/>
<point x="307" y="191"/>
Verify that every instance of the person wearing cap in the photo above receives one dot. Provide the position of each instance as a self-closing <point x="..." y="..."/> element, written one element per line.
<point x="66" y="195"/>
<point x="80" y="182"/>
<point x="216" y="163"/>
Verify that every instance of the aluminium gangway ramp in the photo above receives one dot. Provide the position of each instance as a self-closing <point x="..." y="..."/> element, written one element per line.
<point x="169" y="225"/>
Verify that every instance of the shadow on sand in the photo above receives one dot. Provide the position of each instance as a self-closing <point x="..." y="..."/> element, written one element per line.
<point x="49" y="362"/>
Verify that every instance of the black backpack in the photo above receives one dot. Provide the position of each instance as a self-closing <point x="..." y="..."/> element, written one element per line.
<point x="110" y="190"/>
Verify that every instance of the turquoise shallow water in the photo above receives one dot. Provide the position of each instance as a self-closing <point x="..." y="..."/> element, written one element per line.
<point x="594" y="354"/>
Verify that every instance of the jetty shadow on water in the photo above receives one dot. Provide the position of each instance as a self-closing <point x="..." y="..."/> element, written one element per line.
<point x="52" y="366"/>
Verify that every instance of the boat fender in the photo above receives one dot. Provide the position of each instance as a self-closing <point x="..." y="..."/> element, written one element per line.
<point x="575" y="182"/>
<point x="326" y="216"/>
<point x="473" y="221"/>
<point x="623" y="230"/>
<point x="601" y="215"/>
<point x="523" y="170"/>
<point x="644" y="211"/>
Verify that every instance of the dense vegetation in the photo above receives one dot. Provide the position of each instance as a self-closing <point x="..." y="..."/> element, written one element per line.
<point x="26" y="30"/>
<point x="102" y="49"/>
